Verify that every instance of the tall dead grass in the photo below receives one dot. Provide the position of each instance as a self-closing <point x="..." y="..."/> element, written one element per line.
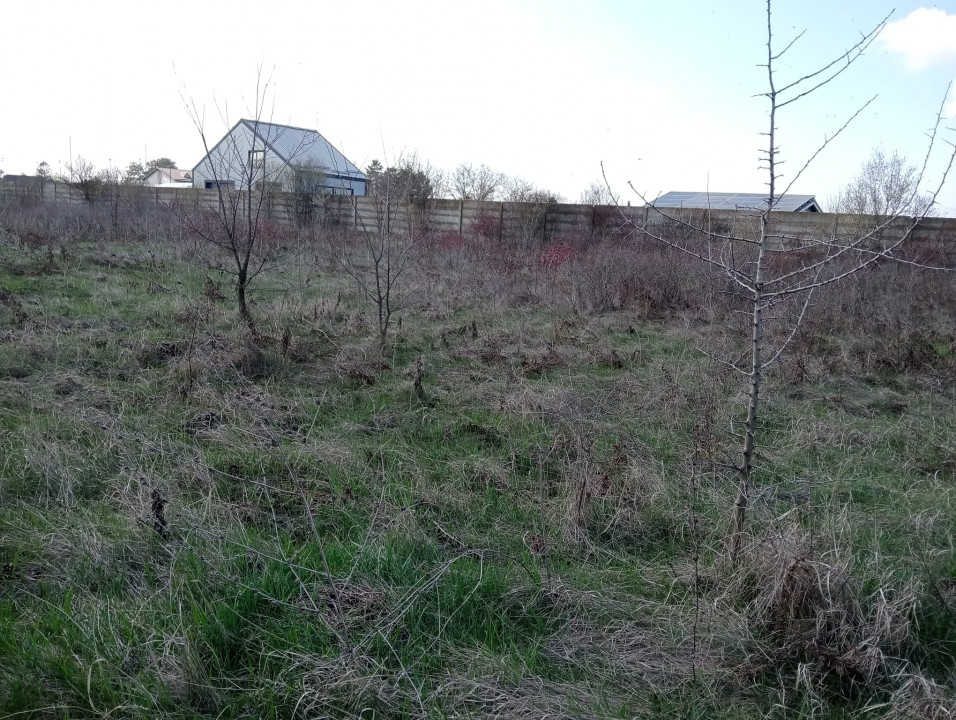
<point x="810" y="615"/>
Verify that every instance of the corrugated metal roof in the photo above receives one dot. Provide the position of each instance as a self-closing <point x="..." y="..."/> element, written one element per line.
<point x="735" y="201"/>
<point x="303" y="146"/>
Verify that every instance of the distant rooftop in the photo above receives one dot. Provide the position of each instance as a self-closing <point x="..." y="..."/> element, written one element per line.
<point x="736" y="201"/>
<point x="172" y="175"/>
<point x="304" y="147"/>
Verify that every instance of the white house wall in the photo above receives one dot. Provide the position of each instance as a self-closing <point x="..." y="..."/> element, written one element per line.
<point x="228" y="161"/>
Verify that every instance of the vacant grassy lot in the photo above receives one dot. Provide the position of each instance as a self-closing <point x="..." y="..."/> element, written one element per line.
<point x="517" y="508"/>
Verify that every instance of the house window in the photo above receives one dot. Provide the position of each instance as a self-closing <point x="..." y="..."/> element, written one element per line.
<point x="257" y="159"/>
<point x="224" y="184"/>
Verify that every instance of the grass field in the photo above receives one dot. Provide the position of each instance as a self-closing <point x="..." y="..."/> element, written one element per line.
<point x="516" y="508"/>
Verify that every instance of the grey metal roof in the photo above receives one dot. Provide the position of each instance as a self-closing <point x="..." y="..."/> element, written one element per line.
<point x="303" y="146"/>
<point x="735" y="201"/>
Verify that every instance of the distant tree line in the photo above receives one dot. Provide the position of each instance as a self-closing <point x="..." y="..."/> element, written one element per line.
<point x="885" y="184"/>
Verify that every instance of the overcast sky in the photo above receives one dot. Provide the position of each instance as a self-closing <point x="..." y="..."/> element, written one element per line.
<point x="661" y="92"/>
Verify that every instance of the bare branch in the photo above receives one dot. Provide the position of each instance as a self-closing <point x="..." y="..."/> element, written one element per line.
<point x="793" y="331"/>
<point x="789" y="45"/>
<point x="848" y="58"/>
<point x="826" y="142"/>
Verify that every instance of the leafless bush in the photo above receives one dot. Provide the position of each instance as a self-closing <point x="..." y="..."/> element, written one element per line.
<point x="652" y="280"/>
<point x="381" y="263"/>
<point x="129" y="213"/>
<point x="528" y="210"/>
<point x="585" y="483"/>
<point x="888" y="318"/>
<point x="604" y="278"/>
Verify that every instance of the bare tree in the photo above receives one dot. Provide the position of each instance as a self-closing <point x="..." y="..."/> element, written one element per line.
<point x="885" y="186"/>
<point x="111" y="192"/>
<point x="381" y="269"/>
<point x="243" y="171"/>
<point x="746" y="256"/>
<point x="85" y="177"/>
<point x="481" y="184"/>
<point x="382" y="260"/>
<point x="409" y="180"/>
<point x="597" y="193"/>
<point x="519" y="190"/>
<point x="529" y="207"/>
<point x="306" y="181"/>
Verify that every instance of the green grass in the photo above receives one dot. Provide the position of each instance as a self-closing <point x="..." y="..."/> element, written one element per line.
<point x="517" y="539"/>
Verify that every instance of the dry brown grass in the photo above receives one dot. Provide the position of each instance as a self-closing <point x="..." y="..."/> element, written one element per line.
<point x="806" y="607"/>
<point x="919" y="698"/>
<point x="350" y="688"/>
<point x="641" y="652"/>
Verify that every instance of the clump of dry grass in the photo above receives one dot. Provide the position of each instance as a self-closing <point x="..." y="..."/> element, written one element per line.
<point x="11" y="309"/>
<point x="532" y="697"/>
<point x="811" y="611"/>
<point x="331" y="687"/>
<point x="585" y="484"/>
<point x="252" y="361"/>
<point x="641" y="652"/>
<point x="919" y="698"/>
<point x="480" y="474"/>
<point x="354" y="686"/>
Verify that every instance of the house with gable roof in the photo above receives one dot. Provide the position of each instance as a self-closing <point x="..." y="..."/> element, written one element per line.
<point x="168" y="177"/>
<point x="281" y="157"/>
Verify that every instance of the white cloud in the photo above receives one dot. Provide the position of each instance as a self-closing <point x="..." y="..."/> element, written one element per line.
<point x="925" y="37"/>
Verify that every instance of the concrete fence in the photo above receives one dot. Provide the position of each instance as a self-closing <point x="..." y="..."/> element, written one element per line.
<point x="505" y="221"/>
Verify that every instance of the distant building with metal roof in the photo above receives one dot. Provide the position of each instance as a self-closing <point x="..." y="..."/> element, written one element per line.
<point x="736" y="201"/>
<point x="285" y="157"/>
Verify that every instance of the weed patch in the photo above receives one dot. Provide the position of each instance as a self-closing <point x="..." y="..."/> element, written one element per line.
<point x="515" y="506"/>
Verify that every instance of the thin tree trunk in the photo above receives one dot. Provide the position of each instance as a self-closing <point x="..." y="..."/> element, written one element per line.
<point x="242" y="281"/>
<point x="742" y="501"/>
